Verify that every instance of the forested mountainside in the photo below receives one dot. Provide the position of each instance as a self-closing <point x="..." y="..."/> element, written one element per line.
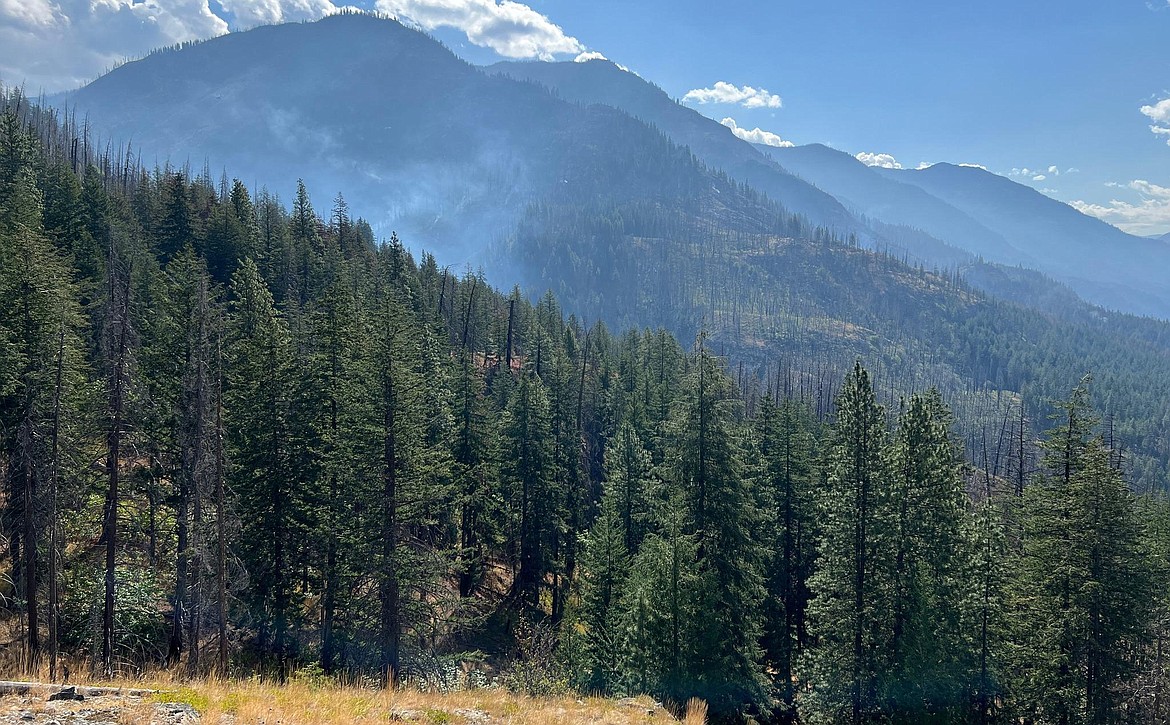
<point x="245" y="439"/>
<point x="350" y="103"/>
<point x="770" y="291"/>
<point x="427" y="144"/>
<point x="603" y="82"/>
<point x="957" y="207"/>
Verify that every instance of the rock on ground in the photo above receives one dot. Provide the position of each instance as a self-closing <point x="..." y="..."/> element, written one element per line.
<point x="102" y="710"/>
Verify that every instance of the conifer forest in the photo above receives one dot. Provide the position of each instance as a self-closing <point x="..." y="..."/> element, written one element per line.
<point x="246" y="438"/>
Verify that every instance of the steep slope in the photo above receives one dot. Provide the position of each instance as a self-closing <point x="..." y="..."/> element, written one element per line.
<point x="884" y="210"/>
<point x="624" y="224"/>
<point x="1104" y="264"/>
<point x="602" y="82"/>
<point x="419" y="140"/>
<point x="894" y="202"/>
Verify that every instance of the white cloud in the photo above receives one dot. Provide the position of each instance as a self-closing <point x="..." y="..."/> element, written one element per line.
<point x="511" y="29"/>
<point x="1040" y="174"/>
<point x="30" y="13"/>
<point x="756" y="135"/>
<point x="1151" y="213"/>
<point x="974" y="166"/>
<point x="923" y="165"/>
<point x="1159" y="113"/>
<point x="885" y="161"/>
<point x="54" y="45"/>
<point x="249" y="13"/>
<point x="723" y="92"/>
<point x="588" y="56"/>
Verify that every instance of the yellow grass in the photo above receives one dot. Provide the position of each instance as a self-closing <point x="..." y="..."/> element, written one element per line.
<point x="255" y="701"/>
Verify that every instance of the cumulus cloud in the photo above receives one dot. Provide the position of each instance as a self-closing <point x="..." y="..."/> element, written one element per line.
<point x="588" y="56"/>
<point x="1041" y="173"/>
<point x="723" y="92"/>
<point x="249" y="13"/>
<point x="54" y="45"/>
<point x="1149" y="214"/>
<point x="1159" y="113"/>
<point x="511" y="29"/>
<point x="756" y="135"/>
<point x="29" y="13"/>
<point x="884" y="161"/>
<point x="975" y="166"/>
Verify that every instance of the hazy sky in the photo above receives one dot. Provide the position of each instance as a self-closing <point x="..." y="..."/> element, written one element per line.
<point x="1070" y="97"/>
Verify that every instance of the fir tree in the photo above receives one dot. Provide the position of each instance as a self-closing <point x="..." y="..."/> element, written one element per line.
<point x="1080" y="591"/>
<point x="849" y="615"/>
<point x="709" y="471"/>
<point x="786" y="480"/>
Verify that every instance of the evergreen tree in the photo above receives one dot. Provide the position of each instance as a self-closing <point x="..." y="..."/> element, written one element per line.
<point x="660" y="610"/>
<point x="259" y="391"/>
<point x="472" y="475"/>
<point x="786" y="480"/>
<point x="629" y="483"/>
<point x="1080" y="592"/>
<point x="928" y="664"/>
<point x="709" y="471"/>
<point x="527" y="473"/>
<point x="39" y="359"/>
<point x="849" y="615"/>
<point x="605" y="565"/>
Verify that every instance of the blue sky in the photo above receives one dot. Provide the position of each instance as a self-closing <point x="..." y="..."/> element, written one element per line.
<point x="1049" y="93"/>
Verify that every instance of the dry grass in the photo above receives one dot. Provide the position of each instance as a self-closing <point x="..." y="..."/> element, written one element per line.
<point x="696" y="712"/>
<point x="255" y="701"/>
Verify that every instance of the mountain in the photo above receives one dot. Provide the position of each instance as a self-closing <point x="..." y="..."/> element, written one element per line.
<point x="1103" y="263"/>
<point x="1000" y="221"/>
<point x="832" y="188"/>
<point x="892" y="201"/>
<point x="621" y="221"/>
<point x="603" y="82"/>
<point x="421" y="141"/>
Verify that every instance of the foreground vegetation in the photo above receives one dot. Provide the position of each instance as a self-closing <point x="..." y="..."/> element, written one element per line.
<point x="329" y="703"/>
<point x="248" y="440"/>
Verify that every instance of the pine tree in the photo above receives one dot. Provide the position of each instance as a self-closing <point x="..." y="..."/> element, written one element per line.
<point x="660" y="610"/>
<point x="629" y="483"/>
<point x="709" y="471"/>
<point x="786" y="480"/>
<point x="985" y="625"/>
<point x="1080" y="592"/>
<point x="527" y="474"/>
<point x="605" y="564"/>
<point x="258" y="402"/>
<point x="39" y="350"/>
<point x="928" y="665"/>
<point x="849" y="615"/>
<point x="472" y="475"/>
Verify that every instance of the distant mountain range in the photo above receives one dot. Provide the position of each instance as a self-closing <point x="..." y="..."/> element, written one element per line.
<point x="586" y="180"/>
<point x="986" y="215"/>
<point x="453" y="155"/>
